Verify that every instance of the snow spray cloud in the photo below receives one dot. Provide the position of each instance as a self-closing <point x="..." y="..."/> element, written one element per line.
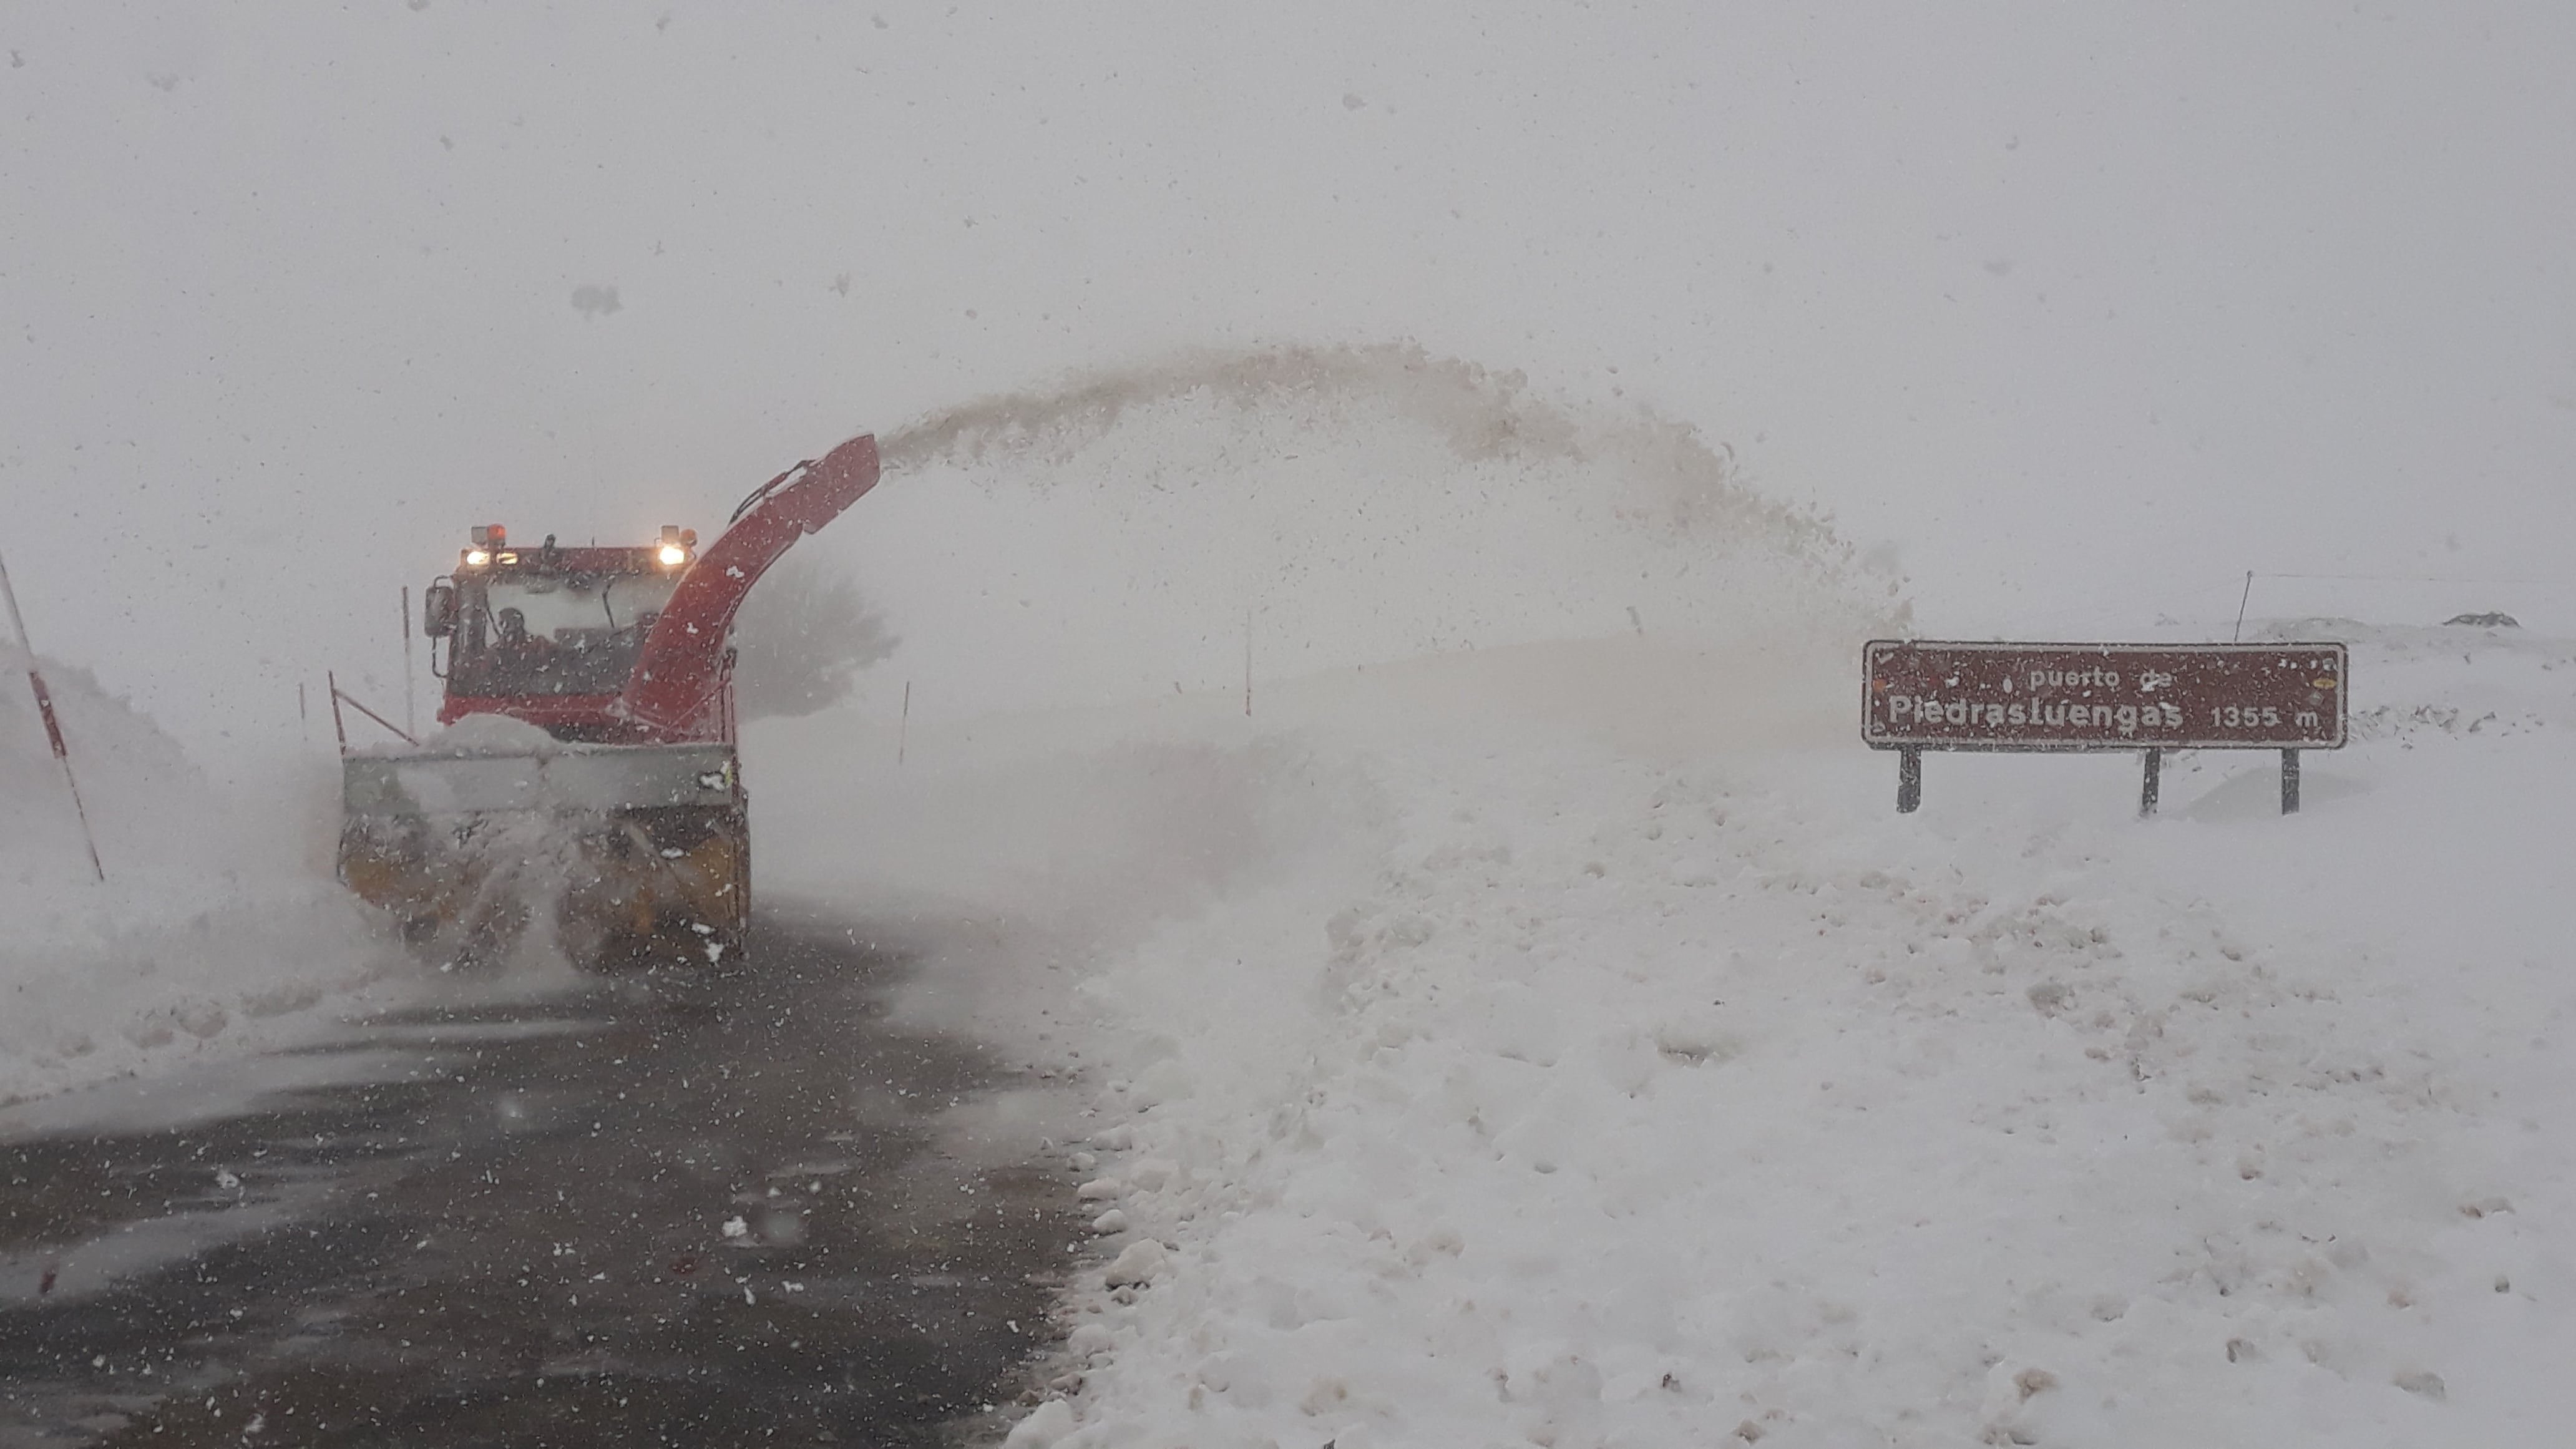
<point x="1144" y="528"/>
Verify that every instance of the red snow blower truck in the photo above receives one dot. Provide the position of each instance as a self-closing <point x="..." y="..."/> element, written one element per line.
<point x="587" y="780"/>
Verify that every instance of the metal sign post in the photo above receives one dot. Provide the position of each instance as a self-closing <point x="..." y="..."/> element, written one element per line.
<point x="1922" y="695"/>
<point x="53" y="726"/>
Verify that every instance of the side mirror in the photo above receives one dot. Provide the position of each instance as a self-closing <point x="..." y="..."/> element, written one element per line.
<point x="438" y="610"/>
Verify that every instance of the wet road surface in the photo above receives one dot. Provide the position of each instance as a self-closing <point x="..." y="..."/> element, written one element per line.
<point x="601" y="1218"/>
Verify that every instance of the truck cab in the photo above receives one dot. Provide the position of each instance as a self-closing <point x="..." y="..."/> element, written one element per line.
<point x="549" y="635"/>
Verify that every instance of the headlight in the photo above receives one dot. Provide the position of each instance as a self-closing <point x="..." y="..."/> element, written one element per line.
<point x="476" y="558"/>
<point x="673" y="555"/>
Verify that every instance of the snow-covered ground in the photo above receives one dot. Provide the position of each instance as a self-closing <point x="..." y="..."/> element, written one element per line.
<point x="1570" y="1045"/>
<point x="219" y="928"/>
<point x="1567" y="1043"/>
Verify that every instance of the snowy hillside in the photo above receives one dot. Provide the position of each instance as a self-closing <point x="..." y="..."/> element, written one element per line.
<point x="219" y="927"/>
<point x="1540" y="1045"/>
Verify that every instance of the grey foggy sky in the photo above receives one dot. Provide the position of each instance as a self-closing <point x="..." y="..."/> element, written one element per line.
<point x="2085" y="310"/>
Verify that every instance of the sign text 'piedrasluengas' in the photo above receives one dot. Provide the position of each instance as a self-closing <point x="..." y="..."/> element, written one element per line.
<point x="1966" y="695"/>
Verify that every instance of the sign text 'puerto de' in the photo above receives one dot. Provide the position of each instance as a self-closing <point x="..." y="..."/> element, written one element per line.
<point x="1922" y="695"/>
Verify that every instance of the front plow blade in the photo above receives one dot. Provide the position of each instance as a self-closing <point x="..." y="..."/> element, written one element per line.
<point x="625" y="854"/>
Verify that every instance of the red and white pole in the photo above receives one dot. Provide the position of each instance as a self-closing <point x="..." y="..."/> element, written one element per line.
<point x="53" y="726"/>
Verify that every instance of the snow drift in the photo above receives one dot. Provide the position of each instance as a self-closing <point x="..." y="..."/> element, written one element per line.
<point x="219" y="926"/>
<point x="1511" y="1019"/>
<point x="1480" y="1066"/>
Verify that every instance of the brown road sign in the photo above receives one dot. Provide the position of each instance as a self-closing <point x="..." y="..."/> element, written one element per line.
<point x="1947" y="695"/>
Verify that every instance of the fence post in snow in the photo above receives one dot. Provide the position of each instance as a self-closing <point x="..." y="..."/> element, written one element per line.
<point x="53" y="726"/>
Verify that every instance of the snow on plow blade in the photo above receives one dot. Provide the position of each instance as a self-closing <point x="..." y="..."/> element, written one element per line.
<point x="624" y="853"/>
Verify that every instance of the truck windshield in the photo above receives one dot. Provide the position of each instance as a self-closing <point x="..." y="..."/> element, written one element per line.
<point x="565" y="633"/>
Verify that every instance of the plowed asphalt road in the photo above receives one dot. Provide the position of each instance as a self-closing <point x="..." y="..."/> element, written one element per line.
<point x="601" y="1217"/>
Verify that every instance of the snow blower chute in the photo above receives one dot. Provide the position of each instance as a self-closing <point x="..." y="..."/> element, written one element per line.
<point x="588" y="768"/>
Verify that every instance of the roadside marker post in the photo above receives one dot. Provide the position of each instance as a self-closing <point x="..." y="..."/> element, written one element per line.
<point x="411" y="712"/>
<point x="1996" y="697"/>
<point x="53" y="725"/>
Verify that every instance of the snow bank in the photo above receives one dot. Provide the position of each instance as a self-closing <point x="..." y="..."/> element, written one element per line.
<point x="1513" y="1061"/>
<point x="219" y="927"/>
